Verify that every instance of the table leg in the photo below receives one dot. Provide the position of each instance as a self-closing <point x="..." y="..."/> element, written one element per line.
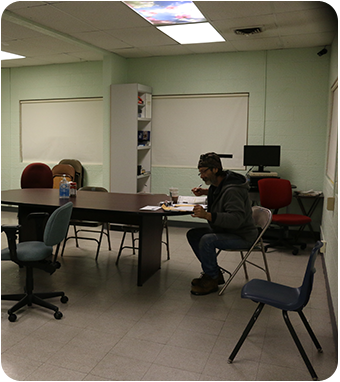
<point x="150" y="246"/>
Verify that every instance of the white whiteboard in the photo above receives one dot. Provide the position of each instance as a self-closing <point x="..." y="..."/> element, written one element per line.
<point x="52" y="130"/>
<point x="183" y="127"/>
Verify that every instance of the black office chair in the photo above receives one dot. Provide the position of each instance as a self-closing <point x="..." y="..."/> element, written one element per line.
<point x="105" y="227"/>
<point x="36" y="254"/>
<point x="288" y="300"/>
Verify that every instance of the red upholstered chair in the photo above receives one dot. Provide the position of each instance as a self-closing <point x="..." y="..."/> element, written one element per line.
<point x="276" y="194"/>
<point x="37" y="175"/>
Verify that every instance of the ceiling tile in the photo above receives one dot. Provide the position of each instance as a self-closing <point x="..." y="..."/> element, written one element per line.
<point x="249" y="44"/>
<point x="140" y="37"/>
<point x="218" y="10"/>
<point x="102" y="14"/>
<point x="52" y="17"/>
<point x="102" y="40"/>
<point x="168" y="50"/>
<point x="307" y="40"/>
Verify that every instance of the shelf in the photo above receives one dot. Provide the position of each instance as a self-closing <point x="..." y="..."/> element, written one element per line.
<point x="145" y="175"/>
<point x="128" y="121"/>
<point x="143" y="147"/>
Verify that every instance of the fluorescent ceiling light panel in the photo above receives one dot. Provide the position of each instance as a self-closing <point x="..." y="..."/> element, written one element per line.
<point x="10" y="56"/>
<point x="192" y="33"/>
<point x="167" y="12"/>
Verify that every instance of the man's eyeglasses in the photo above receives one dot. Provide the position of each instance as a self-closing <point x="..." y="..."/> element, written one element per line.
<point x="204" y="171"/>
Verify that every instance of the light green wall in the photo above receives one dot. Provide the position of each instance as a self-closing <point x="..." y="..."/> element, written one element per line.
<point x="288" y="102"/>
<point x="287" y="106"/>
<point x="90" y="79"/>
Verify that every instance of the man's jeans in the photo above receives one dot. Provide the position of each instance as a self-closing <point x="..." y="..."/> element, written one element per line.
<point x="204" y="243"/>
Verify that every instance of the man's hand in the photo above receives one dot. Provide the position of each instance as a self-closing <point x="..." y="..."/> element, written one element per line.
<point x="200" y="212"/>
<point x="198" y="191"/>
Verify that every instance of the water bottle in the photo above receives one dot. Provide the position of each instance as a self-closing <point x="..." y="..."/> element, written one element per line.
<point x="64" y="188"/>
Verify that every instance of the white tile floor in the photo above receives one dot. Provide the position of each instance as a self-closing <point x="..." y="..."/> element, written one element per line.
<point x="114" y="330"/>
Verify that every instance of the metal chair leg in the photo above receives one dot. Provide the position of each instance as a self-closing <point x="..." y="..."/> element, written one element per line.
<point x="244" y="266"/>
<point x="265" y="260"/>
<point x="133" y="243"/>
<point x="108" y="235"/>
<point x="165" y="225"/>
<point x="100" y="240"/>
<point x="246" y="332"/>
<point x="121" y="247"/>
<point x="299" y="346"/>
<point x="75" y="235"/>
<point x="310" y="332"/>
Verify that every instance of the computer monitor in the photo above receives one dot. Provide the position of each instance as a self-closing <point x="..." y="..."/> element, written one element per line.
<point x="261" y="156"/>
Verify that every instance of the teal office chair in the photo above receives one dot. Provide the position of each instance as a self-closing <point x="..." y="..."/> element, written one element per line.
<point x="37" y="254"/>
<point x="288" y="300"/>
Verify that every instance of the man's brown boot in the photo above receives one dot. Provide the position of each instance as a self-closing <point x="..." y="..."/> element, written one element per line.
<point x="205" y="285"/>
<point x="220" y="279"/>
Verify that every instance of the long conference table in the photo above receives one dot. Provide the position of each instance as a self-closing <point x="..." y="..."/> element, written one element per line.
<point x="104" y="207"/>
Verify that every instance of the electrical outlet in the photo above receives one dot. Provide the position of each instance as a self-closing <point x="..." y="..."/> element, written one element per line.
<point x="323" y="248"/>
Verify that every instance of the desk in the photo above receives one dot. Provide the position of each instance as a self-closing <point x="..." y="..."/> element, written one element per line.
<point x="103" y="207"/>
<point x="316" y="197"/>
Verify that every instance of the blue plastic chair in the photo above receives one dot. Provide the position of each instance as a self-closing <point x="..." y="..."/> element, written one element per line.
<point x="37" y="254"/>
<point x="287" y="299"/>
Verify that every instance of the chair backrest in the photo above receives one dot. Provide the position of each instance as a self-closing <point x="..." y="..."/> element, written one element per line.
<point x="307" y="284"/>
<point x="275" y="193"/>
<point x="57" y="225"/>
<point x="37" y="175"/>
<point x="262" y="217"/>
<point x="59" y="171"/>
<point x="89" y="188"/>
<point x="75" y="163"/>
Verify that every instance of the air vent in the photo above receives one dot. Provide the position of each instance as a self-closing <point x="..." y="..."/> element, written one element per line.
<point x="248" y="31"/>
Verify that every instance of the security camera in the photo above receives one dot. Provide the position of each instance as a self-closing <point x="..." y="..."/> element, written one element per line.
<point x="322" y="52"/>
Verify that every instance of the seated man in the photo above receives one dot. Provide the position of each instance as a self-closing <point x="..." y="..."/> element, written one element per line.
<point x="229" y="215"/>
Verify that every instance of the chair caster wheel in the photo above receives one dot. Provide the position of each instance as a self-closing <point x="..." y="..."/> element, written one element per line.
<point x="12" y="317"/>
<point x="58" y="315"/>
<point x="303" y="246"/>
<point x="295" y="252"/>
<point x="64" y="299"/>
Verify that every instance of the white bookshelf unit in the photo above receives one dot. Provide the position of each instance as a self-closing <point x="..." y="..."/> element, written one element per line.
<point x="130" y="149"/>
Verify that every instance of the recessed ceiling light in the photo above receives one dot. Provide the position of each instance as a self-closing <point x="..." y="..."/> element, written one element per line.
<point x="167" y="12"/>
<point x="192" y="33"/>
<point x="10" y="56"/>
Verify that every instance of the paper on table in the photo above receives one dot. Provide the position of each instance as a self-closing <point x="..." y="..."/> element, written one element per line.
<point x="150" y="208"/>
<point x="192" y="199"/>
<point x="181" y="207"/>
